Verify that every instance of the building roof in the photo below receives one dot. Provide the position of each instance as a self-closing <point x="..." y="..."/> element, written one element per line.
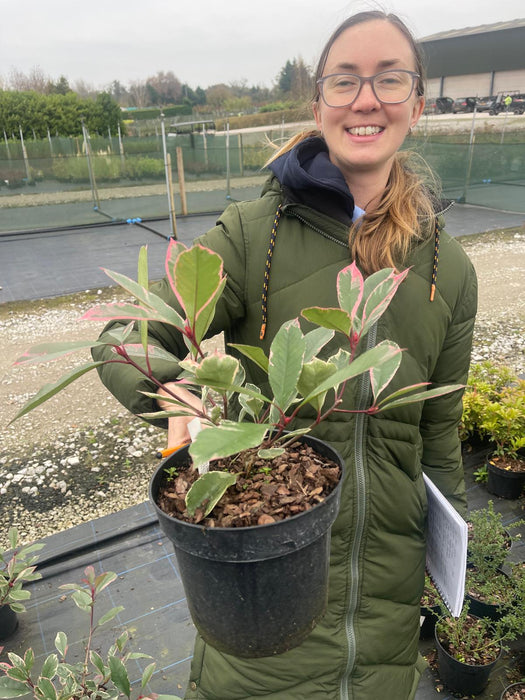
<point x="486" y="48"/>
<point x="480" y="29"/>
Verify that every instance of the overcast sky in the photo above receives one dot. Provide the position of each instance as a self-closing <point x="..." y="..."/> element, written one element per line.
<point x="202" y="41"/>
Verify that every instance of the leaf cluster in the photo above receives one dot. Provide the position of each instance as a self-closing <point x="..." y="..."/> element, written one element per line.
<point x="95" y="677"/>
<point x="299" y="373"/>
<point x="494" y="408"/>
<point x="17" y="567"/>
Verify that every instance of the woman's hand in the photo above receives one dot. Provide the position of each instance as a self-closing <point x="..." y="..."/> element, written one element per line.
<point x="178" y="425"/>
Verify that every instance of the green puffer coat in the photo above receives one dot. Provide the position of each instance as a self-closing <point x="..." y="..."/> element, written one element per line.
<point x="366" y="646"/>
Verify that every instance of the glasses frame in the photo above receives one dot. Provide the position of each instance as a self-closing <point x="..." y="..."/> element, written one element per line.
<point x="362" y="80"/>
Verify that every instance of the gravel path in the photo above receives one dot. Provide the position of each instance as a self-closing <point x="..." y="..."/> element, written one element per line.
<point x="82" y="455"/>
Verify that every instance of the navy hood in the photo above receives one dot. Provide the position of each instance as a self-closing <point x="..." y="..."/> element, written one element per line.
<point x="309" y="177"/>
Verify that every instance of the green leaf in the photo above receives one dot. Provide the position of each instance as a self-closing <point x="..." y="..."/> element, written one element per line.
<point x="103" y="580"/>
<point x="334" y="319"/>
<point x="206" y="314"/>
<point x="97" y="662"/>
<point x="160" y="309"/>
<point x="47" y="689"/>
<point x="225" y="440"/>
<point x="19" y="594"/>
<point x="110" y="615"/>
<point x="29" y="659"/>
<point x="251" y="404"/>
<point x="17" y="607"/>
<point x="382" y="288"/>
<point x="17" y="674"/>
<point x="49" y="390"/>
<point x="119" y="675"/>
<point x="270" y="453"/>
<point x="45" y="352"/>
<point x="217" y="371"/>
<point x="82" y="600"/>
<point x="208" y="490"/>
<point x="285" y="362"/>
<point x="142" y="277"/>
<point x="121" y="310"/>
<point x="312" y="375"/>
<point x="253" y="353"/>
<point x="198" y="276"/>
<point x="146" y="676"/>
<point x="420" y="396"/>
<point x="50" y="666"/>
<point x="10" y="688"/>
<point x="316" y="340"/>
<point x="350" y="289"/>
<point x="13" y="537"/>
<point x="371" y="358"/>
<point x="380" y="377"/>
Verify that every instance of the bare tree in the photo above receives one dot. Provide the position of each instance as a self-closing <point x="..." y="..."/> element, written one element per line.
<point x="164" y="88"/>
<point x="35" y="80"/>
<point x="84" y="89"/>
<point x="138" y="94"/>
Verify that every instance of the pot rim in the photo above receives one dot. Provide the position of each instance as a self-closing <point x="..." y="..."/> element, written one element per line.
<point x="251" y="528"/>
<point x="463" y="663"/>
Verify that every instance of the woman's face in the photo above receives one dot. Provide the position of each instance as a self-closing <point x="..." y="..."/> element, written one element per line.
<point x="367" y="49"/>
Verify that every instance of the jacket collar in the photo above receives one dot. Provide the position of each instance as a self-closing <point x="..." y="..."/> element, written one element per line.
<point x="308" y="177"/>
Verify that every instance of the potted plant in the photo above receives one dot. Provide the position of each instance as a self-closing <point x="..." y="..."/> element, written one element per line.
<point x="94" y="677"/>
<point x="17" y="567"/>
<point x="516" y="691"/>
<point x="488" y="588"/>
<point x="504" y="423"/>
<point x="285" y="549"/>
<point x="485" y="382"/>
<point x="469" y="646"/>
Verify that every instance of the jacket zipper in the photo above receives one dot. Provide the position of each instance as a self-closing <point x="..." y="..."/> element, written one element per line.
<point x="317" y="230"/>
<point x="359" y="468"/>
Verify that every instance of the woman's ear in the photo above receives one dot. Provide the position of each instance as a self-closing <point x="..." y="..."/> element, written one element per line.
<point x="417" y="111"/>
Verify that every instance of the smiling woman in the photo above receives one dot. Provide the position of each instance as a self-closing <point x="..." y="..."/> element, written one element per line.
<point x="341" y="194"/>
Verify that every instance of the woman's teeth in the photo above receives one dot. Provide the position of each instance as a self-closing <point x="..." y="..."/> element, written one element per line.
<point x="364" y="130"/>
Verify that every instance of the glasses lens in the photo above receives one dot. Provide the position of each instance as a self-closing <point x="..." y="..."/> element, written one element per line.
<point x="340" y="90"/>
<point x="389" y="87"/>
<point x="393" y="86"/>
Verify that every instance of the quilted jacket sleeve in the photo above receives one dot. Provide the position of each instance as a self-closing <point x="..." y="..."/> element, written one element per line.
<point x="440" y="417"/>
<point x="126" y="382"/>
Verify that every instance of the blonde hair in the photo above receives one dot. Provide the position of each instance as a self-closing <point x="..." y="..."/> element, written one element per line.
<point x="384" y="236"/>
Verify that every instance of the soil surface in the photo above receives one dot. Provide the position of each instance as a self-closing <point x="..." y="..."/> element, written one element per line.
<point x="82" y="455"/>
<point x="266" y="490"/>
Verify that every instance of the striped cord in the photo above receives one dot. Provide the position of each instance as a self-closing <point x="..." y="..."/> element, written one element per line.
<point x="267" y="266"/>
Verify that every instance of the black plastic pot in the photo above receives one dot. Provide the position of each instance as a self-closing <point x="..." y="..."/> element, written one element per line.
<point x="514" y="686"/>
<point x="504" y="483"/>
<point x="8" y="622"/>
<point x="479" y="608"/>
<point x="254" y="591"/>
<point x="459" y="677"/>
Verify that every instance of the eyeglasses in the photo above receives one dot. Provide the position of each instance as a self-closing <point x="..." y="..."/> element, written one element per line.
<point x="390" y="87"/>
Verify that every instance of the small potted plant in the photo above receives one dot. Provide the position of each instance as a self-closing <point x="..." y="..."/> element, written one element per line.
<point x="469" y="646"/>
<point x="284" y="550"/>
<point x="516" y="691"/>
<point x="504" y="423"/>
<point x="17" y="567"/>
<point x="94" y="677"/>
<point x="488" y="588"/>
<point x="485" y="382"/>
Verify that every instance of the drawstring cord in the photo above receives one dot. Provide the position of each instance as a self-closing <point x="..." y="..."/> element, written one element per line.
<point x="437" y="230"/>
<point x="268" y="264"/>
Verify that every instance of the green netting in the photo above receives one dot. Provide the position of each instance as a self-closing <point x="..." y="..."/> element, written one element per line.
<point x="61" y="182"/>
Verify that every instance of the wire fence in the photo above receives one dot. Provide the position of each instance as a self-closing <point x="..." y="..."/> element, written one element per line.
<point x="64" y="182"/>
